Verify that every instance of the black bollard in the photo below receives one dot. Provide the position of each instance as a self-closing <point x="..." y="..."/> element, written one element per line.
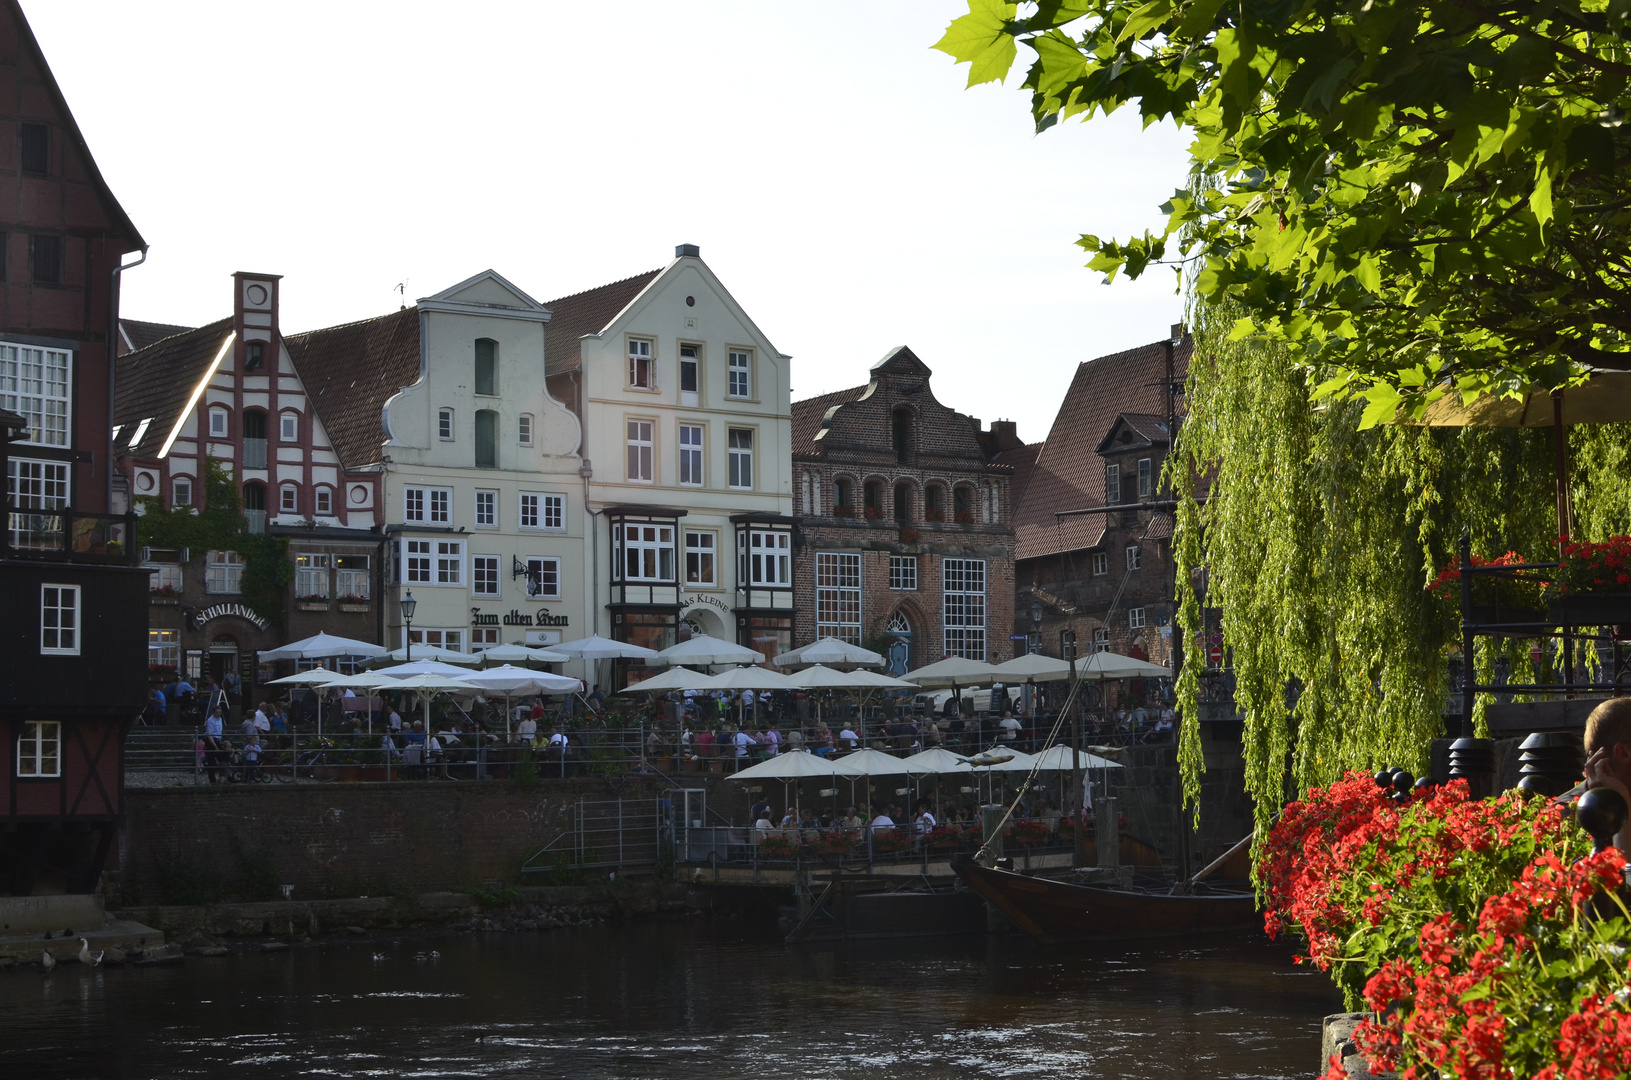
<point x="1601" y="812"/>
<point x="1474" y="761"/>
<point x="1550" y="761"/>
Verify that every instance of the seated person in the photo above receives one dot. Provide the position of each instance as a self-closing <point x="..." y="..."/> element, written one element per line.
<point x="526" y="729"/>
<point x="1009" y="729"/>
<point x="848" y="739"/>
<point x="416" y="737"/>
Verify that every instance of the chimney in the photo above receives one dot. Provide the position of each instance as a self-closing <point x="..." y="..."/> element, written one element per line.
<point x="682" y="251"/>
<point x="1178" y="332"/>
<point x="255" y="319"/>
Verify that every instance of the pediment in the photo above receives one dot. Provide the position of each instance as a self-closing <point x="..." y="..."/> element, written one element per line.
<point x="487" y="293"/>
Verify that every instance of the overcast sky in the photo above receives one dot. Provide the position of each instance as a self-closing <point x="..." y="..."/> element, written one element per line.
<point x="838" y="178"/>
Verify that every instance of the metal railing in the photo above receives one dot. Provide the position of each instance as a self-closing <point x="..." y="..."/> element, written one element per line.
<point x="254" y="453"/>
<point x="626" y="835"/>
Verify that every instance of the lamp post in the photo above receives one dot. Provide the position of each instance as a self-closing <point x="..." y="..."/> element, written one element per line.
<point x="408" y="606"/>
<point x="1034" y="645"/>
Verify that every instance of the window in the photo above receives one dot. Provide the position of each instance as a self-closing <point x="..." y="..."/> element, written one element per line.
<point x="741" y="365"/>
<point x="38" y="486"/>
<point x="903" y="503"/>
<point x="640" y="450"/>
<point x="34" y="382"/>
<point x="433" y="505"/>
<point x="934" y="503"/>
<point x="288" y="499"/>
<point x="487" y="367"/>
<point x="1146" y="478"/>
<point x="542" y="511"/>
<point x="1101" y="640"/>
<point x="449" y="562"/>
<point x="962" y="503"/>
<point x="311" y="575"/>
<point x="765" y="558"/>
<point x="59" y="620"/>
<point x="1133" y="554"/>
<point x="46" y="259"/>
<point x="486" y="509"/>
<point x="352" y="577"/>
<point x="254" y="355"/>
<point x="543" y="579"/>
<point x="689" y="355"/>
<point x="1101" y="563"/>
<point x="416" y="561"/>
<point x="164" y="572"/>
<point x="691" y="454"/>
<point x="900" y="434"/>
<point x="699" y="559"/>
<point x="451" y="640"/>
<point x="39" y="748"/>
<point x="289" y="427"/>
<point x="164" y="649"/>
<point x="254" y="423"/>
<point x="642" y="372"/>
<point x="1135" y="618"/>
<point x="486" y="439"/>
<point x="218" y="423"/>
<point x="484" y="575"/>
<point x="1112" y="485"/>
<point x="843" y="498"/>
<point x="433" y="562"/>
<point x="648" y="551"/>
<point x="838" y="596"/>
<point x="36" y="156"/>
<point x="223" y="572"/>
<point x="964" y="607"/>
<point x="181" y="491"/>
<point x="444" y="424"/>
<point x="903" y="572"/>
<point x="741" y="447"/>
<point x="325" y="502"/>
<point x="483" y="638"/>
<point x="524" y="428"/>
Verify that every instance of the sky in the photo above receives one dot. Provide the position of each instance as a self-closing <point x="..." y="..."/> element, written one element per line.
<point x="839" y="179"/>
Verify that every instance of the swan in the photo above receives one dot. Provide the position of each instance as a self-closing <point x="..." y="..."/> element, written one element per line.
<point x="86" y="957"/>
<point x="380" y="958"/>
<point x="47" y="961"/>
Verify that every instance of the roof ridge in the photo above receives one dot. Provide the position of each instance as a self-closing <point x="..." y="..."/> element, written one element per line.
<point x="349" y="325"/>
<point x="226" y="321"/>
<point x="607" y="285"/>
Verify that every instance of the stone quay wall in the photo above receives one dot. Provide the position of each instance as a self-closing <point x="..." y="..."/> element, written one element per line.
<point x="1150" y="794"/>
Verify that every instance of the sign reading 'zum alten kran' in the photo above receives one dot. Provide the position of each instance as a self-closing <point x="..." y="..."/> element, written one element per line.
<point x="516" y="618"/>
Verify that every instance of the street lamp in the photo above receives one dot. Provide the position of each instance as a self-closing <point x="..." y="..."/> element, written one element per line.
<point x="408" y="606"/>
<point x="1033" y="643"/>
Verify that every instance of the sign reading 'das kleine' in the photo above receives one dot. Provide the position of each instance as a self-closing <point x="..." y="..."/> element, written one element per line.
<point x="236" y="610"/>
<point x="516" y="618"/>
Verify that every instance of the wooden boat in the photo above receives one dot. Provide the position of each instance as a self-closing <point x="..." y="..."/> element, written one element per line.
<point x="1052" y="910"/>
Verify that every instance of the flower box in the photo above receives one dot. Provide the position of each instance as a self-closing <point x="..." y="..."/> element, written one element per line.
<point x="890" y="841"/>
<point x="312" y="605"/>
<point x="934" y="515"/>
<point x="910" y="536"/>
<point x="843" y="511"/>
<point x="361" y="608"/>
<point x="965" y="517"/>
<point x="163" y="601"/>
<point x="873" y="513"/>
<point x="1591" y="609"/>
<point x="1027" y="832"/>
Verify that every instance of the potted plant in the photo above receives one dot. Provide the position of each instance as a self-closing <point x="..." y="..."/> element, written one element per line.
<point x="934" y="513"/>
<point x="1028" y="831"/>
<point x="1593" y="585"/>
<point x="890" y="841"/>
<point x="944" y="838"/>
<point x="873" y="513"/>
<point x="831" y="844"/>
<point x="1513" y="597"/>
<point x="843" y="510"/>
<point x="965" y="517"/>
<point x="776" y="846"/>
<point x="909" y="536"/>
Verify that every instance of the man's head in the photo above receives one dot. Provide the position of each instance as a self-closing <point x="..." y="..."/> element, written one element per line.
<point x="1609" y="728"/>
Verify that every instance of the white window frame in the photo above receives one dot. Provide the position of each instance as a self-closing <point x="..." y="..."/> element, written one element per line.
<point x="164" y="649"/>
<point x="1112" y="485"/>
<point x="486" y="508"/>
<point x="38" y="383"/>
<point x="704" y="552"/>
<point x="1146" y="478"/>
<point x="642" y="354"/>
<point x="838" y="595"/>
<point x="311" y="577"/>
<point x="1135" y="618"/>
<point x="483" y="638"/>
<point x="903" y="573"/>
<point x="61" y="626"/>
<point x="449" y="563"/>
<point x="164" y="575"/>
<point x="1101" y="640"/>
<point x="740" y="475"/>
<point x="548" y="577"/>
<point x="524" y="428"/>
<point x="636" y="541"/>
<point x="484" y="572"/>
<point x="764" y="558"/>
<point x="218" y="422"/>
<point x="354" y="581"/>
<point x="428" y="505"/>
<point x="1101" y="563"/>
<point x="288" y="499"/>
<point x="1135" y="556"/>
<point x="693" y="360"/>
<point x="39" y="486"/>
<point x="223" y="573"/>
<point x="444" y="425"/>
<point x="640" y="443"/>
<point x="416" y="561"/>
<point x="324" y="498"/>
<point x="964" y="607"/>
<point x="693" y="460"/>
<point x="436" y="637"/>
<point x="739" y="367"/>
<point x="178" y="485"/>
<point x="39" y="749"/>
<point x="288" y="426"/>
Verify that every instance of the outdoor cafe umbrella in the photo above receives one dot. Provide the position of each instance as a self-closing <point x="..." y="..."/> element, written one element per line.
<point x="675" y="678"/>
<point x="750" y="678"/>
<point x="321" y="646"/>
<point x="425" y="687"/>
<point x="421" y="667"/>
<point x="790" y="768"/>
<point x="702" y="649"/>
<point x="596" y="647"/>
<point x="521" y="654"/>
<point x="1034" y="668"/>
<point x="829" y="651"/>
<point x="509" y="680"/>
<point x="820" y="677"/>
<point x="954" y="671"/>
<point x="432" y="652"/>
<point x="870" y="763"/>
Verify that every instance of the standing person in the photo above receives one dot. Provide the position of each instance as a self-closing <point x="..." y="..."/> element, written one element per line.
<point x="252" y="758"/>
<point x="212" y="742"/>
<point x="597" y="698"/>
<point x="234" y="688"/>
<point x="263" y="721"/>
<point x="1008" y="729"/>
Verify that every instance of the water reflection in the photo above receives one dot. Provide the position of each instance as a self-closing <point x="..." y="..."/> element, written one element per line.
<point x="676" y="1000"/>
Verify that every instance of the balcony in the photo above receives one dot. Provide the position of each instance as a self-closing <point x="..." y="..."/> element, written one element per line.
<point x="254" y="453"/>
<point x="71" y="536"/>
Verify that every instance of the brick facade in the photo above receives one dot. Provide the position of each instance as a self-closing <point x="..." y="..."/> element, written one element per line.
<point x="886" y="471"/>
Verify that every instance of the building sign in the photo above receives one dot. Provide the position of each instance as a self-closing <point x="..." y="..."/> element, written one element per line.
<point x="516" y="618"/>
<point x="237" y="611"/>
<point x="692" y="602"/>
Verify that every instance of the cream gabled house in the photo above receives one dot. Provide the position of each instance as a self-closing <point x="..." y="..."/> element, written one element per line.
<point x="687" y="425"/>
<point x="483" y="498"/>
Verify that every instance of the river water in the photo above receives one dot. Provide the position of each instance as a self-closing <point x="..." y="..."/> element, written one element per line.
<point x="690" y="999"/>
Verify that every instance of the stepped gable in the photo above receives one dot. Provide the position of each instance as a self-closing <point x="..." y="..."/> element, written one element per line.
<point x="349" y="373"/>
<point x="156" y="382"/>
<point x="587" y="312"/>
<point x="1069" y="472"/>
<point x="809" y="413"/>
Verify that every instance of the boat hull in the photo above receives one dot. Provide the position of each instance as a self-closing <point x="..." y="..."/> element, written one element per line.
<point x="1061" y="911"/>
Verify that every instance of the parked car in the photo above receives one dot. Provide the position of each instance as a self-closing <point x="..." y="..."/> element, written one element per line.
<point x="971" y="700"/>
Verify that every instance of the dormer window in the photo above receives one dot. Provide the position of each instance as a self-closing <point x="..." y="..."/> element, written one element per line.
<point x="218" y="423"/>
<point x="487" y="367"/>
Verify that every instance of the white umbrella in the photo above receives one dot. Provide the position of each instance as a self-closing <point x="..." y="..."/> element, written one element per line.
<point x="520" y="654"/>
<point x="819" y="677"/>
<point x="794" y="765"/>
<point x="600" y="648"/>
<point x="320" y="646"/>
<point x="426" y="687"/>
<point x="509" y="680"/>
<point x="676" y="678"/>
<point x="316" y="676"/>
<point x="876" y="763"/>
<point x="749" y="678"/>
<point x="432" y="652"/>
<point x="419" y="667"/>
<point x="1102" y="666"/>
<point x="1057" y="758"/>
<point x="936" y="759"/>
<point x="829" y="650"/>
<point x="1034" y="667"/>
<point x="954" y="671"/>
<point x="702" y="649"/>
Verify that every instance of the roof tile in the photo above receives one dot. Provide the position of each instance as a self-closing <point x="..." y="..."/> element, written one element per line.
<point x="155" y="383"/>
<point x="808" y="414"/>
<point x="588" y="312"/>
<point x="350" y="371"/>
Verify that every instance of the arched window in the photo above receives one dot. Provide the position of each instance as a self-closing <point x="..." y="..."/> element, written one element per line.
<point x="903" y="503"/>
<point x="901" y="434"/>
<point x="934" y="503"/>
<point x="486" y="439"/>
<point x="487" y="367"/>
<point x="873" y="493"/>
<point x="963" y="505"/>
<point x="843" y="498"/>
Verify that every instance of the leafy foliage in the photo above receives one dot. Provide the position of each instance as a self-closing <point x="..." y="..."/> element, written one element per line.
<point x="1419" y="198"/>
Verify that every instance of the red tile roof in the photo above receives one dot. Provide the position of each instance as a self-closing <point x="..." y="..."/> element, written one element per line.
<point x="142" y="334"/>
<point x="1069" y="473"/>
<point x="582" y="313"/>
<point x="1022" y="459"/>
<point x="807" y="416"/>
<point x="155" y="383"/>
<point x="350" y="371"/>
